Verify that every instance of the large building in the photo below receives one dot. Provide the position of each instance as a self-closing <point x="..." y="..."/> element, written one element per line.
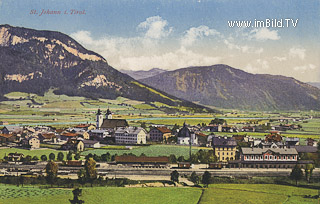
<point x="108" y="122"/>
<point x="130" y="135"/>
<point x="224" y="148"/>
<point x="184" y="135"/>
<point x="159" y="134"/>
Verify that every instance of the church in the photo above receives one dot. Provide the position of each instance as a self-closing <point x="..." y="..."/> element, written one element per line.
<point x="109" y="123"/>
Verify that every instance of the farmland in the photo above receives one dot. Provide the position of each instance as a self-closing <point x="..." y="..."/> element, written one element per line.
<point x="101" y="195"/>
<point x="256" y="193"/>
<point x="152" y="150"/>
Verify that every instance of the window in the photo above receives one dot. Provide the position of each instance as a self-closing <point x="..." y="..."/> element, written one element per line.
<point x="231" y="153"/>
<point x="261" y="157"/>
<point x="222" y="153"/>
<point x="247" y="157"/>
<point x="293" y="157"/>
<point x="270" y="157"/>
<point x="252" y="157"/>
<point x="227" y="153"/>
<point x="257" y="157"/>
<point x="222" y="158"/>
<point x="284" y="157"/>
<point x="266" y="157"/>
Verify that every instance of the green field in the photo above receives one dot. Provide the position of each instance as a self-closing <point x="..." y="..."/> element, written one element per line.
<point x="256" y="194"/>
<point x="100" y="195"/>
<point x="152" y="150"/>
<point x="32" y="153"/>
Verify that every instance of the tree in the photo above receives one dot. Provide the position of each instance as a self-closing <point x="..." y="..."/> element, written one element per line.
<point x="51" y="171"/>
<point x="27" y="159"/>
<point x="69" y="156"/>
<point x="44" y="158"/>
<point x="106" y="157"/>
<point x="181" y="159"/>
<point x="60" y="156"/>
<point x="82" y="176"/>
<point x="35" y="158"/>
<point x="194" y="178"/>
<point x="143" y="125"/>
<point x="77" y="156"/>
<point x="90" y="168"/>
<point x="174" y="176"/>
<point x="308" y="171"/>
<point x="172" y="159"/>
<point x="206" y="178"/>
<point x="76" y="194"/>
<point x="296" y="174"/>
<point x="52" y="156"/>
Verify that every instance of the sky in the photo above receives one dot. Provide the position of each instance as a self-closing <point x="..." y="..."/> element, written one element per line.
<point x="169" y="34"/>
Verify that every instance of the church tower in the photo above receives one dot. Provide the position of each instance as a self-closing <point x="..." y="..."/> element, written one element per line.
<point x="108" y="114"/>
<point x="99" y="119"/>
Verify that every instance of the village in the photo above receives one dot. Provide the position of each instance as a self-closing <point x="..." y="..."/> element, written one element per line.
<point x="272" y="151"/>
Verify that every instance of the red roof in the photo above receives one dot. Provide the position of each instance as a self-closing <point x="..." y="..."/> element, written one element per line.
<point x="142" y="159"/>
<point x="83" y="125"/>
<point x="201" y="134"/>
<point x="6" y="135"/>
<point x="164" y="130"/>
<point x="48" y="135"/>
<point x="69" y="134"/>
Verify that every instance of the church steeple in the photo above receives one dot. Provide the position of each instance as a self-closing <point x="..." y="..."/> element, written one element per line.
<point x="108" y="114"/>
<point x="99" y="119"/>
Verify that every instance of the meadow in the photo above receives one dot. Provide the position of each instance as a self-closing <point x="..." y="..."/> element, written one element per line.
<point x="152" y="150"/>
<point x="256" y="194"/>
<point x="100" y="195"/>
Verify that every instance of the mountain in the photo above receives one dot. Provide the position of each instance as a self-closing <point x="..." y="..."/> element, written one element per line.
<point x="35" y="61"/>
<point x="225" y="87"/>
<point x="315" y="84"/>
<point x="141" y="74"/>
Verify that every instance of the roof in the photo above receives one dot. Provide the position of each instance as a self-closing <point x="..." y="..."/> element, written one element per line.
<point x="114" y="123"/>
<point x="306" y="149"/>
<point x="142" y="159"/>
<point x="223" y="141"/>
<point x="83" y="125"/>
<point x="48" y="135"/>
<point x="184" y="132"/>
<point x="14" y="128"/>
<point x="292" y="139"/>
<point x="90" y="142"/>
<point x="6" y="135"/>
<point x="201" y="134"/>
<point x="129" y="130"/>
<point x="163" y="130"/>
<point x="249" y="150"/>
<point x="69" y="134"/>
<point x="97" y="131"/>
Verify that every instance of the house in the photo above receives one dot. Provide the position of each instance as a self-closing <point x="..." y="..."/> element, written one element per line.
<point x="273" y="137"/>
<point x="224" y="148"/>
<point x="312" y="142"/>
<point x="99" y="135"/>
<point x="184" y="135"/>
<point x="143" y="161"/>
<point x="15" y="157"/>
<point x="68" y="135"/>
<point x="86" y="127"/>
<point x="108" y="122"/>
<point x="47" y="137"/>
<point x="252" y="157"/>
<point x="91" y="144"/>
<point x="6" y="138"/>
<point x="31" y="142"/>
<point x="12" y="130"/>
<point x="305" y="149"/>
<point x="292" y="141"/>
<point x="73" y="144"/>
<point x="130" y="135"/>
<point x="159" y="134"/>
<point x="202" y="138"/>
<point x="4" y="123"/>
<point x="248" y="129"/>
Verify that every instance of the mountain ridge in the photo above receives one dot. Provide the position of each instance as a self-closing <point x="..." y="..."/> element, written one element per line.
<point x="226" y="87"/>
<point x="35" y="61"/>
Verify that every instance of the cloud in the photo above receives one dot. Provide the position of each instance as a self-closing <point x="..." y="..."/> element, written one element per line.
<point x="195" y="33"/>
<point x="305" y="68"/>
<point x="258" y="66"/>
<point x="297" y="52"/>
<point x="264" y="34"/>
<point x="244" y="48"/>
<point x="280" y="58"/>
<point x="155" y="27"/>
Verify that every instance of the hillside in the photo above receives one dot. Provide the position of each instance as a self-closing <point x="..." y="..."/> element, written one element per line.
<point x="315" y="84"/>
<point x="226" y="87"/>
<point x="35" y="61"/>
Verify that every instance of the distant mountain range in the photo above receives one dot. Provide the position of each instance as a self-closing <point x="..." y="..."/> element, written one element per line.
<point x="141" y="74"/>
<point x="226" y="87"/>
<point x="35" y="61"/>
<point x="315" y="84"/>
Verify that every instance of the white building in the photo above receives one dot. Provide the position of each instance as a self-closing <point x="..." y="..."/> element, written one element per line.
<point x="130" y="135"/>
<point x="184" y="136"/>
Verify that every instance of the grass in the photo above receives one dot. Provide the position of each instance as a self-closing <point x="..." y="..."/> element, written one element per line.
<point x="152" y="150"/>
<point x="256" y="193"/>
<point x="32" y="153"/>
<point x="101" y="195"/>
